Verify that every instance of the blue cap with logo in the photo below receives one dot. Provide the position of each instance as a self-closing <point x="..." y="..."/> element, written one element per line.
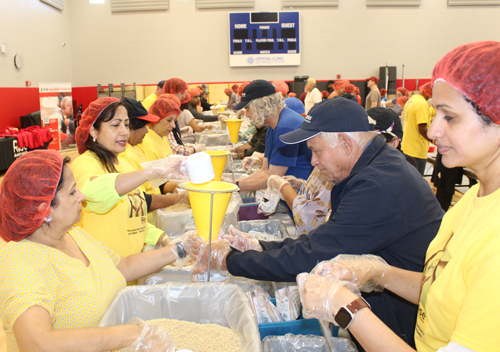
<point x="257" y="89"/>
<point x="331" y="115"/>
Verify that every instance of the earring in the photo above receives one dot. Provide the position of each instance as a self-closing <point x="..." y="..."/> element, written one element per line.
<point x="48" y="218"/>
<point x="94" y="139"/>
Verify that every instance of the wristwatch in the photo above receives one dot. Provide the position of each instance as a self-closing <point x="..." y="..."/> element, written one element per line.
<point x="180" y="250"/>
<point x="346" y="313"/>
<point x="237" y="183"/>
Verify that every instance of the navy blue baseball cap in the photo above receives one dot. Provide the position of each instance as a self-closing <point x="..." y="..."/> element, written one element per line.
<point x="255" y="90"/>
<point x="137" y="111"/>
<point x="331" y="115"/>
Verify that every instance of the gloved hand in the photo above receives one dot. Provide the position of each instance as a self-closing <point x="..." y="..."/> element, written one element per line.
<point x="258" y="155"/>
<point x="202" y="125"/>
<point x="170" y="168"/>
<point x="272" y="196"/>
<point x="251" y="162"/>
<point x="188" y="240"/>
<point x="368" y="272"/>
<point x="295" y="183"/>
<point x="227" y="180"/>
<point x="198" y="148"/>
<point x="222" y="117"/>
<point x="275" y="183"/>
<point x="242" y="241"/>
<point x="220" y="249"/>
<point x="153" y="338"/>
<point x="186" y="130"/>
<point x="317" y="295"/>
<point x="182" y="196"/>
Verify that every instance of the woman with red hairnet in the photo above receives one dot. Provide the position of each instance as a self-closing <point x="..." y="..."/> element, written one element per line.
<point x="457" y="292"/>
<point x="57" y="280"/>
<point x="116" y="204"/>
<point x="400" y="92"/>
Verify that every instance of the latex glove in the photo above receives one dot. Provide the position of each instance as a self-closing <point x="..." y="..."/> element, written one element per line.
<point x="258" y="155"/>
<point x="242" y="241"/>
<point x="172" y="167"/>
<point x="295" y="183"/>
<point x="220" y="250"/>
<point x="368" y="272"/>
<point x="153" y="338"/>
<point x="188" y="240"/>
<point x="186" y="130"/>
<point x="182" y="196"/>
<point x="275" y="183"/>
<point x="250" y="162"/>
<point x="317" y="295"/>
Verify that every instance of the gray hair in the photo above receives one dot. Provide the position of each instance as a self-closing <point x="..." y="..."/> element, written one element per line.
<point x="265" y="106"/>
<point x="361" y="139"/>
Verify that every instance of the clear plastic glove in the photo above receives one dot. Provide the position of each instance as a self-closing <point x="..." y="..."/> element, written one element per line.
<point x="258" y="155"/>
<point x="251" y="162"/>
<point x="295" y="183"/>
<point x="368" y="272"/>
<point x="188" y="240"/>
<point x="242" y="241"/>
<point x="153" y="338"/>
<point x="199" y="252"/>
<point x="317" y="295"/>
<point x="186" y="130"/>
<point x="170" y="168"/>
<point x="222" y="117"/>
<point x="275" y="183"/>
<point x="198" y="148"/>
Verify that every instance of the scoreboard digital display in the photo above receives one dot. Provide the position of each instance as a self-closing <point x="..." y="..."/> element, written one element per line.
<point x="264" y="39"/>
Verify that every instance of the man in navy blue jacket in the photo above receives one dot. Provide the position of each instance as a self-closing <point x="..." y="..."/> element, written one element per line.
<point x="381" y="205"/>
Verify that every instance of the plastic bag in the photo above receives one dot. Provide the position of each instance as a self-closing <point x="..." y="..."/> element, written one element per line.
<point x="173" y="168"/>
<point x="211" y="138"/>
<point x="218" y="252"/>
<point x="223" y="304"/>
<point x="273" y="228"/>
<point x="287" y="300"/>
<point x="152" y="338"/>
<point x="251" y="163"/>
<point x="305" y="343"/>
<point x="269" y="202"/>
<point x="265" y="310"/>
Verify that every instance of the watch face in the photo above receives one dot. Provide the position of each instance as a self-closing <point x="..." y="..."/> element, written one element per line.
<point x="343" y="317"/>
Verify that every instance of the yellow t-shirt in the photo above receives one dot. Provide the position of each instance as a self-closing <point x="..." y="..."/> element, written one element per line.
<point x="416" y="112"/>
<point x="155" y="146"/>
<point x="75" y="296"/>
<point x="150" y="99"/>
<point x="135" y="156"/>
<point x="120" y="222"/>
<point x="461" y="282"/>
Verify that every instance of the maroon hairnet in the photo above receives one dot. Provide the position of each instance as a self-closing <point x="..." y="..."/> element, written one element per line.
<point x="174" y="86"/>
<point x="172" y="97"/>
<point x="474" y="70"/>
<point x="29" y="182"/>
<point x="234" y="87"/>
<point x="383" y="91"/>
<point x="349" y="88"/>
<point x="164" y="107"/>
<point x="325" y="94"/>
<point x="228" y="91"/>
<point x="427" y="89"/>
<point x="89" y="116"/>
<point x="375" y="79"/>
<point x="403" y="91"/>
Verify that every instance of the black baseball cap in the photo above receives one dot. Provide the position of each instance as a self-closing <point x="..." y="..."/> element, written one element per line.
<point x="386" y="121"/>
<point x="137" y="111"/>
<point x="257" y="89"/>
<point x="161" y="83"/>
<point x="331" y="115"/>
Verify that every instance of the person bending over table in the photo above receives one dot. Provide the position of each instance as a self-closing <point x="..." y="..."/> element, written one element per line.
<point x="457" y="290"/>
<point x="57" y="280"/>
<point x="265" y="107"/>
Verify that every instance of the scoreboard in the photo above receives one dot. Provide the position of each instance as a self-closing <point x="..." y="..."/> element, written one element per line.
<point x="264" y="39"/>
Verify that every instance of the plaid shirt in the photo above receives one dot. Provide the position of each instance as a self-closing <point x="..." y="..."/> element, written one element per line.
<point x="177" y="148"/>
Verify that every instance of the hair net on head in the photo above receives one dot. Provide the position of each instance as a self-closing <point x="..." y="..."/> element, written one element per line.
<point x="186" y="98"/>
<point x="402" y="100"/>
<point x="325" y="94"/>
<point x="357" y="90"/>
<point x="383" y="91"/>
<point x="193" y="92"/>
<point x="426" y="88"/>
<point x="474" y="70"/>
<point x="292" y="94"/>
<point x="234" y="87"/>
<point x="174" y="86"/>
<point x="172" y="97"/>
<point x="339" y="85"/>
<point x="164" y="107"/>
<point x="243" y="86"/>
<point x="349" y="88"/>
<point x="89" y="116"/>
<point x="281" y="86"/>
<point x="403" y="91"/>
<point x="228" y="91"/>
<point x="29" y="182"/>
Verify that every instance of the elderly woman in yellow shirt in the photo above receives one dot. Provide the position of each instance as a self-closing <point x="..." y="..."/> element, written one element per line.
<point x="57" y="280"/>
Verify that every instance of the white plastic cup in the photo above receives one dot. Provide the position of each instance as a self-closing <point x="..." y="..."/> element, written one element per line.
<point x="200" y="168"/>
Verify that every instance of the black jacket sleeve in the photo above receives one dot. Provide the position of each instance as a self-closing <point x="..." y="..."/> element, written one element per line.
<point x="200" y="116"/>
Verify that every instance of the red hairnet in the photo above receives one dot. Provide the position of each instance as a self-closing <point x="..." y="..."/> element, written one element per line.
<point x="186" y="98"/>
<point x="243" y="86"/>
<point x="474" y="70"/>
<point x="292" y="94"/>
<point x="234" y="87"/>
<point x="228" y="91"/>
<point x="164" y="107"/>
<point x="349" y="88"/>
<point x="375" y="79"/>
<point x="281" y="86"/>
<point x="402" y="100"/>
<point x="325" y="94"/>
<point x="172" y="97"/>
<point x="357" y="90"/>
<point x="427" y="89"/>
<point x="89" y="116"/>
<point x="339" y="85"/>
<point x="193" y="91"/>
<point x="383" y="91"/>
<point x="403" y="91"/>
<point x="174" y="86"/>
<point x="29" y="182"/>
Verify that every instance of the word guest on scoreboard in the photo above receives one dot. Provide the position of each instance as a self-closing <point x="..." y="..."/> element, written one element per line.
<point x="264" y="39"/>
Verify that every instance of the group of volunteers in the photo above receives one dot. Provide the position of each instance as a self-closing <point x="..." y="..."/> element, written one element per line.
<point x="371" y="232"/>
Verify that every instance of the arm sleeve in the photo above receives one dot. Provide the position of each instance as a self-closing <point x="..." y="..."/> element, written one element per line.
<point x="423" y="114"/>
<point x="317" y="96"/>
<point x="200" y="116"/>
<point x="149" y="200"/>
<point x="153" y="234"/>
<point x="283" y="154"/>
<point x="101" y="193"/>
<point x="176" y="148"/>
<point x="375" y="96"/>
<point x="357" y="227"/>
<point x="454" y="347"/>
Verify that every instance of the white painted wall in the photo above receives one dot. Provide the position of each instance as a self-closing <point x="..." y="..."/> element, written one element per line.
<point x="37" y="31"/>
<point x="351" y="40"/>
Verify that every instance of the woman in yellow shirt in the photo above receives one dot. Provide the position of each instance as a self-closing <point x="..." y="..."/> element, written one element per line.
<point x="57" y="281"/>
<point x="457" y="292"/>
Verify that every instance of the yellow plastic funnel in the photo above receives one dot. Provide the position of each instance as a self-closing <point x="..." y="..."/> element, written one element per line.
<point x="219" y="158"/>
<point x="234" y="127"/>
<point x="200" y="197"/>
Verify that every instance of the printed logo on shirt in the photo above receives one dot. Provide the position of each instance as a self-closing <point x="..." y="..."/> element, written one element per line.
<point x="136" y="204"/>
